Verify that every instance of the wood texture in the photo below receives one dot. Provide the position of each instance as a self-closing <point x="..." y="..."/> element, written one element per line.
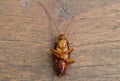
<point x="27" y="34"/>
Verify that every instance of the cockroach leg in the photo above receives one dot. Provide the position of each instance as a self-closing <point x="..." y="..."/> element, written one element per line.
<point x="69" y="51"/>
<point x="69" y="61"/>
<point x="55" y="53"/>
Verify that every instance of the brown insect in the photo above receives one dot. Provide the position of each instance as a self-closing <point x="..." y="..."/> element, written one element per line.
<point x="61" y="52"/>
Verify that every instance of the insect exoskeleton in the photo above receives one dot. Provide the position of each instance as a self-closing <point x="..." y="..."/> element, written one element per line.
<point x="61" y="54"/>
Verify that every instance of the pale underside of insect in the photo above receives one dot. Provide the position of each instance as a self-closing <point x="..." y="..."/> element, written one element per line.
<point x="61" y="55"/>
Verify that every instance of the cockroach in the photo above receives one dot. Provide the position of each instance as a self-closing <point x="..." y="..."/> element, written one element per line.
<point x="61" y="52"/>
<point x="61" y="55"/>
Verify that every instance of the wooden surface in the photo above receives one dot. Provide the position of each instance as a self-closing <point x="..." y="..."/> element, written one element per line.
<point x="26" y="35"/>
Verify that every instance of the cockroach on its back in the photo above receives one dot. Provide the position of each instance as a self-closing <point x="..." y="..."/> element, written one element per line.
<point x="61" y="55"/>
<point x="61" y="52"/>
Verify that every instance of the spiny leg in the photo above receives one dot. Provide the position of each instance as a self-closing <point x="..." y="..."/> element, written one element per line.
<point x="70" y="50"/>
<point x="55" y="53"/>
<point x="69" y="61"/>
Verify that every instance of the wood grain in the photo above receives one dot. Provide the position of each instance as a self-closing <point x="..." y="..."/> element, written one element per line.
<point x="27" y="34"/>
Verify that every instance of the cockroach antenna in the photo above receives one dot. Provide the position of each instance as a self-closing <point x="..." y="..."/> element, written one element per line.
<point x="68" y="26"/>
<point x="56" y="26"/>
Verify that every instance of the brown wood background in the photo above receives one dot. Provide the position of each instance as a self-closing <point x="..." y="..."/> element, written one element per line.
<point x="26" y="35"/>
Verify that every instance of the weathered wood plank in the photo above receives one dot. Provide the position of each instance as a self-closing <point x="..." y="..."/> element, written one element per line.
<point x="26" y="35"/>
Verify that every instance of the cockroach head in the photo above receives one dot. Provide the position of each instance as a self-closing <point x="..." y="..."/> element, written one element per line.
<point x="62" y="37"/>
